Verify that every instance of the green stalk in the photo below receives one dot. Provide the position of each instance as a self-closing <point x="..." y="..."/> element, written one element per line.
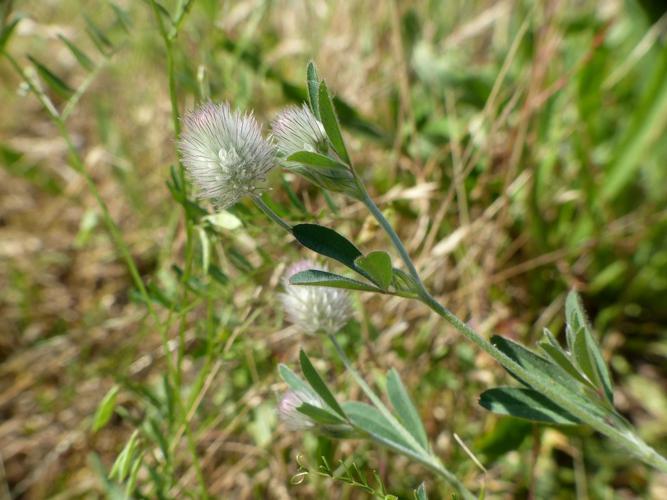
<point x="625" y="438"/>
<point x="426" y="458"/>
<point x="268" y="211"/>
<point x="177" y="374"/>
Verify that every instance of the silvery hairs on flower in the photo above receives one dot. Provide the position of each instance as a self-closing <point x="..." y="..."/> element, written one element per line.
<point x="224" y="153"/>
<point x="315" y="309"/>
<point x="288" y="409"/>
<point x="297" y="129"/>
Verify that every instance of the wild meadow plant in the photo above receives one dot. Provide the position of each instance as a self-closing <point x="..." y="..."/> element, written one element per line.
<point x="227" y="158"/>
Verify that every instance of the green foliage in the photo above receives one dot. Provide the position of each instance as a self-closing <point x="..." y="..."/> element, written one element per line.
<point x="377" y="265"/>
<point x="313" y="85"/>
<point x="318" y="385"/>
<point x="315" y="160"/>
<point x="6" y="32"/>
<point x="525" y="403"/>
<point x="314" y="277"/>
<point x="329" y="119"/>
<point x="586" y="349"/>
<point x="518" y="157"/>
<point x="405" y="409"/>
<point x="327" y="242"/>
<point x="105" y="409"/>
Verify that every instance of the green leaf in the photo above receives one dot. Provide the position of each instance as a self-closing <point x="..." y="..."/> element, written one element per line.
<point x="407" y="413"/>
<point x="330" y="122"/>
<point x="105" y="409"/>
<point x="420" y="493"/>
<point x="292" y="379"/>
<point x="506" y="434"/>
<point x="318" y="385"/>
<point x="377" y="265"/>
<point x="315" y="160"/>
<point x="218" y="275"/>
<point x="549" y="374"/>
<point x="122" y="17"/>
<point x="152" y="428"/>
<point x="327" y="242"/>
<point x="121" y="466"/>
<point x="313" y="83"/>
<point x="372" y="422"/>
<point x="533" y="363"/>
<point x="577" y="320"/>
<point x="7" y="31"/>
<point x="525" y="403"/>
<point x="53" y="81"/>
<point x="559" y="357"/>
<point x="549" y="337"/>
<point x="337" y="179"/>
<point x="582" y="357"/>
<point x="98" y="37"/>
<point x="315" y="277"/>
<point x="78" y="54"/>
<point x="134" y="475"/>
<point x="320" y="415"/>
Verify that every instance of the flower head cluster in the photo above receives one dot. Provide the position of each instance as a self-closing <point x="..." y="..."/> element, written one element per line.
<point x="224" y="153"/>
<point x="288" y="409"/>
<point x="315" y="309"/>
<point x="297" y="129"/>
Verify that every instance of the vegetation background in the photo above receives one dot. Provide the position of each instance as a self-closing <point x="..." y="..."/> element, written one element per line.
<point x="519" y="147"/>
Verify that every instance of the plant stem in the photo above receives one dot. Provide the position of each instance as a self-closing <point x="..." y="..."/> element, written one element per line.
<point x="624" y="438"/>
<point x="424" y="456"/>
<point x="268" y="211"/>
<point x="180" y="354"/>
<point x="398" y="244"/>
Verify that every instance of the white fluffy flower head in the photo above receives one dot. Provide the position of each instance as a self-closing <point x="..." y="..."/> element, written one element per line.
<point x="288" y="409"/>
<point x="297" y="129"/>
<point x="224" y="153"/>
<point x="315" y="309"/>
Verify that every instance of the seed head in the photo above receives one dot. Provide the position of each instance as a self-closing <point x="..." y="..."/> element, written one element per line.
<point x="224" y="153"/>
<point x="297" y="129"/>
<point x="288" y="409"/>
<point x="315" y="309"/>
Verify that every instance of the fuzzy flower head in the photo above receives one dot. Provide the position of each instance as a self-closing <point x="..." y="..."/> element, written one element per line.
<point x="224" y="153"/>
<point x="288" y="410"/>
<point x="315" y="309"/>
<point x="297" y="129"/>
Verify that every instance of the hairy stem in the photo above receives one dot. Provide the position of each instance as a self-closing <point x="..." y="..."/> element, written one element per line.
<point x="268" y="211"/>
<point x="624" y="437"/>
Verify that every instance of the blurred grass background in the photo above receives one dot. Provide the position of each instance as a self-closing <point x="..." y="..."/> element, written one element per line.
<point x="519" y="148"/>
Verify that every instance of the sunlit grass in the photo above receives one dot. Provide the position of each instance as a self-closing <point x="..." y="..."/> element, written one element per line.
<point x="516" y="149"/>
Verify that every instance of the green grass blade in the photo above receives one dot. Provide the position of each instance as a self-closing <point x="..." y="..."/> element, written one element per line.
<point x="51" y="79"/>
<point x="78" y="54"/>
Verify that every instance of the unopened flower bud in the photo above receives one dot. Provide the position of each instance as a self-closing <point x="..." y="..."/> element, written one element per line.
<point x="315" y="309"/>
<point x="288" y="410"/>
<point x="297" y="129"/>
<point x="295" y="420"/>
